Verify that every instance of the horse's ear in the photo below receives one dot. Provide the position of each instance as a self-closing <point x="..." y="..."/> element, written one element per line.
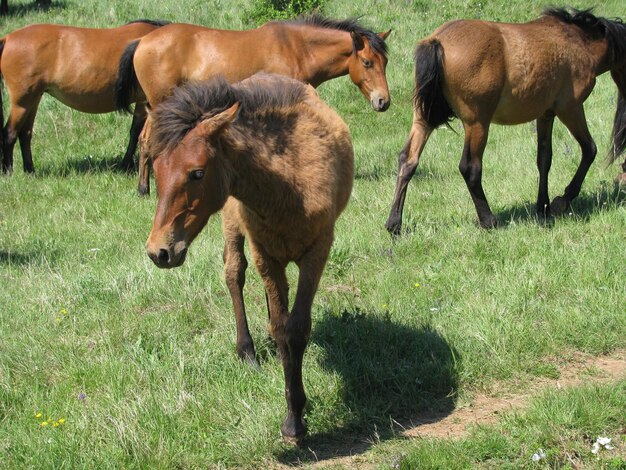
<point x="216" y="123"/>
<point x="357" y="41"/>
<point x="385" y="35"/>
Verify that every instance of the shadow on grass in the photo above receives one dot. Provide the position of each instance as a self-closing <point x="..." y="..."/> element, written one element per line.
<point x="608" y="196"/>
<point x="393" y="377"/>
<point x="23" y="9"/>
<point x="24" y="259"/>
<point x="86" y="164"/>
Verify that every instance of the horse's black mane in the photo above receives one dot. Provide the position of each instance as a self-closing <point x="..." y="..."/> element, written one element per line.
<point x="152" y="22"/>
<point x="196" y="100"/>
<point x="613" y="30"/>
<point x="349" y="25"/>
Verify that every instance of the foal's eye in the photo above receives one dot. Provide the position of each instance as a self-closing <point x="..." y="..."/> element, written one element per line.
<point x="196" y="175"/>
<point x="367" y="63"/>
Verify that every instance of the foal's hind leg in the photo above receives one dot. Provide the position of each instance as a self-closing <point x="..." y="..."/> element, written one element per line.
<point x="471" y="167"/>
<point x="544" y="160"/>
<point x="139" y="119"/>
<point x="407" y="164"/>
<point x="575" y="121"/>
<point x="235" y="265"/>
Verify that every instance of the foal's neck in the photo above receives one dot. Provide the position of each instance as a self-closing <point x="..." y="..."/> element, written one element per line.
<point x="261" y="178"/>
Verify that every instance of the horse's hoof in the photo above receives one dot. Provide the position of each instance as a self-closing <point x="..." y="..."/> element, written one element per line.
<point x="249" y="357"/>
<point x="143" y="191"/>
<point x="621" y="179"/>
<point x="293" y="432"/>
<point x="559" y="205"/>
<point x="488" y="222"/>
<point x="393" y="227"/>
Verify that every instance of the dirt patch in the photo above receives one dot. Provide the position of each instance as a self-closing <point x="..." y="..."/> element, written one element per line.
<point x="485" y="408"/>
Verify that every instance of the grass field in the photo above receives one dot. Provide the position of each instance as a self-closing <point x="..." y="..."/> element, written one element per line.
<point x="140" y="365"/>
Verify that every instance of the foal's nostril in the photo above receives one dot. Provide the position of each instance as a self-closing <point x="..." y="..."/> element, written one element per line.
<point x="163" y="256"/>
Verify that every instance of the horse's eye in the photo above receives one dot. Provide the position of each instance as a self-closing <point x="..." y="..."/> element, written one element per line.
<point x="196" y="175"/>
<point x="367" y="63"/>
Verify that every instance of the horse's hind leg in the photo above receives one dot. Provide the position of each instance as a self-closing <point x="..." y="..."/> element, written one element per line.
<point x="544" y="160"/>
<point x="407" y="164"/>
<point x="575" y="121"/>
<point x="471" y="168"/>
<point x="139" y="119"/>
<point x="19" y="125"/>
<point x="235" y="265"/>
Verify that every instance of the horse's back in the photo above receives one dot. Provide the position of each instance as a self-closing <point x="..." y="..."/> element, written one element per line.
<point x="180" y="52"/>
<point x="78" y="66"/>
<point x="512" y="72"/>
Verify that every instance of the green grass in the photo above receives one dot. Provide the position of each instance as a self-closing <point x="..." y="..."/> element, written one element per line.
<point x="142" y="366"/>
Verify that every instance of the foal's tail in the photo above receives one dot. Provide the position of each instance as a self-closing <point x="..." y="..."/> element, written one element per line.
<point x="429" y="79"/>
<point x="126" y="84"/>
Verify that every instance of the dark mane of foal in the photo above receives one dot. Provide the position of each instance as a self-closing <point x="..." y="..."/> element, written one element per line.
<point x="349" y="25"/>
<point x="158" y="23"/>
<point x="613" y="30"/>
<point x="196" y="100"/>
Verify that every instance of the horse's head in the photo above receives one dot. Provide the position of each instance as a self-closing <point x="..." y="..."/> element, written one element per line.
<point x="367" y="69"/>
<point x="192" y="185"/>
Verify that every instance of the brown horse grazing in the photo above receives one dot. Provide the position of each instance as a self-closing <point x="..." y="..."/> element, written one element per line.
<point x="483" y="72"/>
<point x="279" y="162"/>
<point x="78" y="66"/>
<point x="311" y="49"/>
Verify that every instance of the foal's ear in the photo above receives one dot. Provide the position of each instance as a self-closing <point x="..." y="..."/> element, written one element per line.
<point x="357" y="41"/>
<point x="216" y="123"/>
<point x="384" y="36"/>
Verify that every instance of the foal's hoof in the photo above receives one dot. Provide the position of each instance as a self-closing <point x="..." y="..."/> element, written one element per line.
<point x="293" y="431"/>
<point x="621" y="179"/>
<point x="559" y="205"/>
<point x="248" y="357"/>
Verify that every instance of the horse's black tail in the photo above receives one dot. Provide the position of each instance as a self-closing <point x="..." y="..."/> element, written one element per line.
<point x="618" y="136"/>
<point x="2" y="132"/>
<point x="126" y="84"/>
<point x="429" y="79"/>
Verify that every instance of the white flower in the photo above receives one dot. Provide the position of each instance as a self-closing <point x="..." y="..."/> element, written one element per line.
<point x="537" y="456"/>
<point x="601" y="443"/>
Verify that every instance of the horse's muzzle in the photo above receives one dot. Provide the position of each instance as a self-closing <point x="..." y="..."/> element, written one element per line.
<point x="379" y="103"/>
<point x="167" y="257"/>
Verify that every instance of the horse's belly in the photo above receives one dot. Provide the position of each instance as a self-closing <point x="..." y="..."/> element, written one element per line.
<point x="85" y="101"/>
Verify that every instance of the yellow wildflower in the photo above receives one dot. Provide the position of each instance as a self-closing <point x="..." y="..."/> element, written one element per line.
<point x="38" y="415"/>
<point x="63" y="311"/>
<point x="61" y="420"/>
<point x="56" y="424"/>
<point x="44" y="423"/>
<point x="417" y="284"/>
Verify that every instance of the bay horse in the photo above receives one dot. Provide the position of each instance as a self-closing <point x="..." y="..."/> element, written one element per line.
<point x="484" y="72"/>
<point x="279" y="163"/>
<point x="77" y="66"/>
<point x="312" y="49"/>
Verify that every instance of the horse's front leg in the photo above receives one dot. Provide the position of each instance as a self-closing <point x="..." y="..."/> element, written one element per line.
<point x="143" y="187"/>
<point x="407" y="164"/>
<point x="471" y="167"/>
<point x="139" y="119"/>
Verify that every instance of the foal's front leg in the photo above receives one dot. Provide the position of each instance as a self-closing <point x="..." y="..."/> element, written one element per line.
<point x="235" y="265"/>
<point x="544" y="160"/>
